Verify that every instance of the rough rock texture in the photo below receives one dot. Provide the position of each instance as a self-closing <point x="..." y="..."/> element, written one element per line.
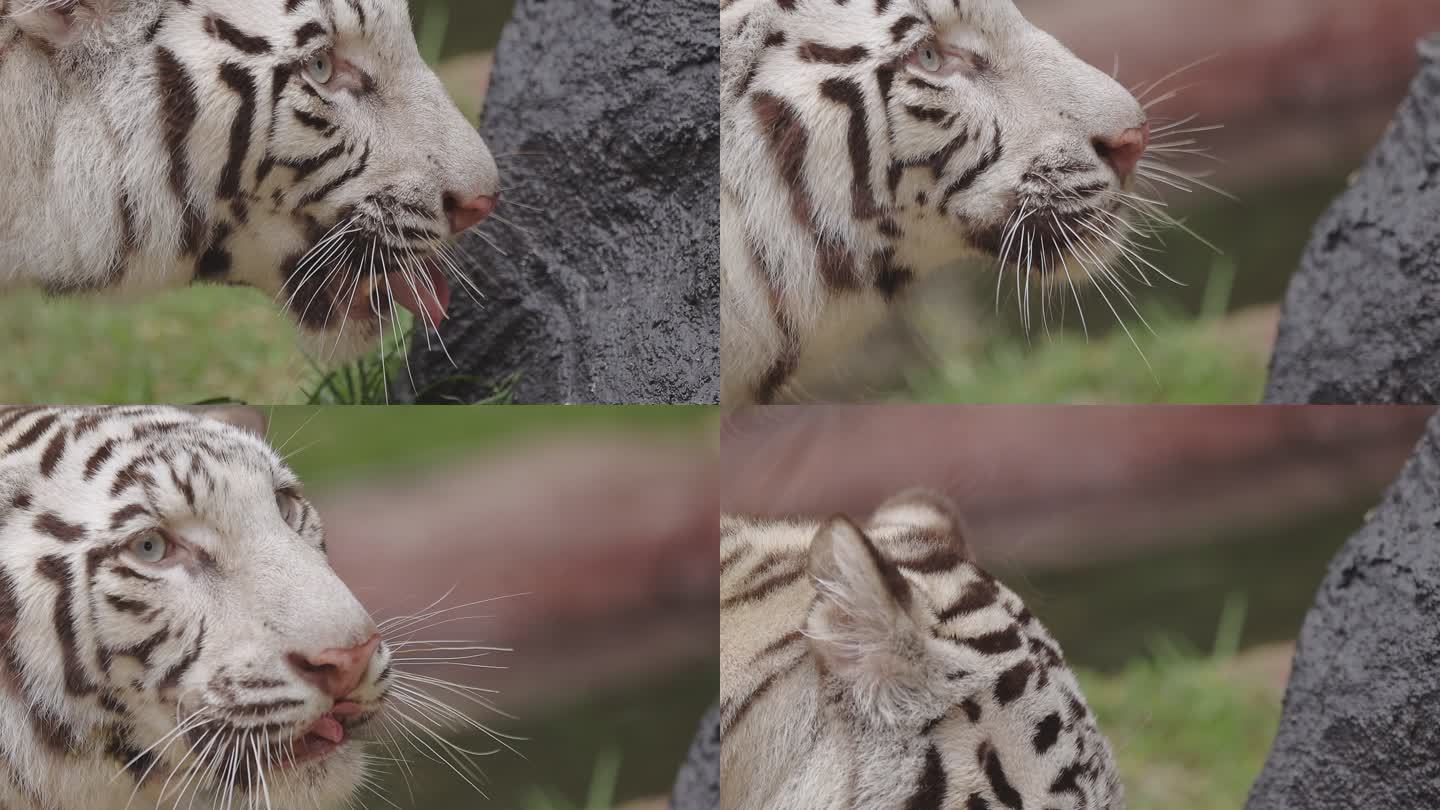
<point x="604" y="117"/>
<point x="698" y="787"/>
<point x="1361" y="725"/>
<point x="1362" y="318"/>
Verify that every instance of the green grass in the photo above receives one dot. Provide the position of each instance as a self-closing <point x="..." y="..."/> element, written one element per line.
<point x="203" y="344"/>
<point x="326" y="445"/>
<point x="206" y="344"/>
<point x="1183" y="360"/>
<point x="599" y="796"/>
<point x="190" y="345"/>
<point x="1190" y="731"/>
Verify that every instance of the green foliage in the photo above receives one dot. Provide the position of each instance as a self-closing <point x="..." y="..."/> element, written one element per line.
<point x="1178" y="359"/>
<point x="189" y="345"/>
<point x="1190" y="731"/>
<point x="600" y="796"/>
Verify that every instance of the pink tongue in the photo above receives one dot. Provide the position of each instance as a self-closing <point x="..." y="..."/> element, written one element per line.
<point x="428" y="298"/>
<point x="328" y="728"/>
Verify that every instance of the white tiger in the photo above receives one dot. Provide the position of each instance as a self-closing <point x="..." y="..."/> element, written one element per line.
<point x="170" y="628"/>
<point x="879" y="667"/>
<point x="300" y="147"/>
<point x="864" y="144"/>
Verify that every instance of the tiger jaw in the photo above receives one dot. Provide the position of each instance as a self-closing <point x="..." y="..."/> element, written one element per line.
<point x="362" y="293"/>
<point x="329" y="733"/>
<point x="425" y="294"/>
<point x="1052" y="243"/>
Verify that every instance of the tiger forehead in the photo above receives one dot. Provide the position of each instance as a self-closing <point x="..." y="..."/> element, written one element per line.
<point x="303" y="20"/>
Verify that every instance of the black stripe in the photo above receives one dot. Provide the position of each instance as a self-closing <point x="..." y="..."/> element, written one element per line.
<point x="55" y="569"/>
<point x="999" y="782"/>
<point x="849" y="93"/>
<point x="241" y="41"/>
<point x="788" y="142"/>
<point x="929" y="792"/>
<point x="985" y="164"/>
<point x="827" y="54"/>
<point x="1012" y="682"/>
<point x="242" y="83"/>
<point x="1047" y="732"/>
<point x="353" y="173"/>
<point x="178" y="109"/>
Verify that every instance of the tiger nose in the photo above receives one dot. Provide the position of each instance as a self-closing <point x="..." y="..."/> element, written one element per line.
<point x="466" y="214"/>
<point x="336" y="672"/>
<point x="1123" y="151"/>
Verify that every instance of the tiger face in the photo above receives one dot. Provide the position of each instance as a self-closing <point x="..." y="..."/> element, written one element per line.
<point x="300" y="147"/>
<point x="864" y="144"/>
<point x="875" y="665"/>
<point x="172" y="618"/>
<point x="951" y="128"/>
<point x="1000" y="133"/>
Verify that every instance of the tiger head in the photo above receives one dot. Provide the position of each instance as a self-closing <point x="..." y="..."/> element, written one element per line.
<point x="904" y="134"/>
<point x="896" y="674"/>
<point x="300" y="147"/>
<point x="170" y="617"/>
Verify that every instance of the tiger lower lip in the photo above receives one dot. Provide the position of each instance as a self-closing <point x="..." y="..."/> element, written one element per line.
<point x="321" y="739"/>
<point x="427" y="297"/>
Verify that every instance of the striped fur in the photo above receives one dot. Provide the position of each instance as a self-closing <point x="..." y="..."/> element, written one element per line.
<point x="103" y="655"/>
<point x="149" y="144"/>
<point x="881" y="668"/>
<point x="849" y="168"/>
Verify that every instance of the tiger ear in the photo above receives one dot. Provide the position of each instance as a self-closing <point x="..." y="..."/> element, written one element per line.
<point x="928" y="512"/>
<point x="251" y="420"/>
<point x="58" y="22"/>
<point x="861" y="627"/>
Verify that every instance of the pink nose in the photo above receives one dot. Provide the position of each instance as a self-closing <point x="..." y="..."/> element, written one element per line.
<point x="1123" y="151"/>
<point x="336" y="672"/>
<point x="467" y="214"/>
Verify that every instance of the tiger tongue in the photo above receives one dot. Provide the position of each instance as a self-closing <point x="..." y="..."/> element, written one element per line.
<point x="328" y="728"/>
<point x="427" y="298"/>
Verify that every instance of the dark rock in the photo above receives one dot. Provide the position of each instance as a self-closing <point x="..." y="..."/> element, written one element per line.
<point x="698" y="787"/>
<point x="604" y="116"/>
<point x="1361" y="322"/>
<point x="1361" y="725"/>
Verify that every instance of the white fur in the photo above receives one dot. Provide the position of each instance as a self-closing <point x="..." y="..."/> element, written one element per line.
<point x="270" y="592"/>
<point x="80" y="125"/>
<point x="1048" y="103"/>
<point x="850" y="710"/>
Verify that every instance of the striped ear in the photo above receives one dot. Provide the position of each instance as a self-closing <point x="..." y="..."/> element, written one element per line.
<point x="248" y="419"/>
<point x="927" y="512"/>
<point x="58" y="22"/>
<point x="861" y="627"/>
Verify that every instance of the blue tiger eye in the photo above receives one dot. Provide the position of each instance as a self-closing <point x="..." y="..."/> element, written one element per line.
<point x="151" y="547"/>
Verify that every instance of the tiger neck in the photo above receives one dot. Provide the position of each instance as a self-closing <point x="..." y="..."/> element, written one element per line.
<point x="74" y="216"/>
<point x="57" y="761"/>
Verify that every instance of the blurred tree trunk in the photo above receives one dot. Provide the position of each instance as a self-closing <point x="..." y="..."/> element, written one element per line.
<point x="601" y="273"/>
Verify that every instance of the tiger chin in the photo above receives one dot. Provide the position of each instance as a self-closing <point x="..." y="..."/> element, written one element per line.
<point x="873" y="664"/>
<point x="302" y="148"/>
<point x="867" y="144"/>
<point x="171" y="632"/>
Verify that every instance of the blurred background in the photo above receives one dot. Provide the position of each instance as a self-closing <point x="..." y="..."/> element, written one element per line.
<point x="1173" y="552"/>
<point x="590" y="531"/>
<point x="211" y="343"/>
<point x="1303" y="90"/>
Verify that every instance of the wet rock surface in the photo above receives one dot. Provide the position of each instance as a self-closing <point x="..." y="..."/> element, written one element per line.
<point x="604" y="118"/>
<point x="1362" y="317"/>
<point x="1362" y="712"/>
<point x="698" y="787"/>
